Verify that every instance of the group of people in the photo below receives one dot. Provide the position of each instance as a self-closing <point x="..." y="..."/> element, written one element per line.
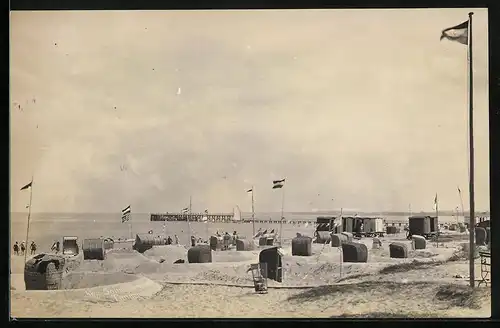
<point x="170" y="241"/>
<point x="20" y="249"/>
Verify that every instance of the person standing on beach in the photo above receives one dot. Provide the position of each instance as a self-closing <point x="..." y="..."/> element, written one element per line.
<point x="33" y="247"/>
<point x="16" y="249"/>
<point x="23" y="248"/>
<point x="176" y="240"/>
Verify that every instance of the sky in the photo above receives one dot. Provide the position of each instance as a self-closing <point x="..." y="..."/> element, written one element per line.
<point x="360" y="109"/>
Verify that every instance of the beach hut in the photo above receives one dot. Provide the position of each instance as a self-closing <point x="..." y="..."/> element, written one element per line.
<point x="348" y="224"/>
<point x="323" y="237"/>
<point x="418" y="242"/>
<point x="338" y="239"/>
<point x="390" y="230"/>
<point x="93" y="249"/>
<point x="273" y="258"/>
<point x="216" y="243"/>
<point x="481" y="235"/>
<point x="70" y="246"/>
<point x="354" y="252"/>
<point x="44" y="272"/>
<point x="398" y="250"/>
<point x="148" y="239"/>
<point x="302" y="246"/>
<point x="244" y="244"/>
<point x="373" y="226"/>
<point x="419" y="225"/>
<point x="263" y="241"/>
<point x="200" y="254"/>
<point x="348" y="236"/>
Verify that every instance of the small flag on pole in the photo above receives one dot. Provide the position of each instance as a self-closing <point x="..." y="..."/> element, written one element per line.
<point x="27" y="186"/>
<point x="459" y="191"/>
<point x="250" y="190"/>
<point x="185" y="210"/>
<point x="206" y="211"/>
<point x="126" y="214"/>
<point x="278" y="183"/>
<point x="459" y="33"/>
<point x="435" y="201"/>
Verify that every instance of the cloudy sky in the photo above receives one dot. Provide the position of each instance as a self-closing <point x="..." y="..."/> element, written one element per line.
<point x="365" y="107"/>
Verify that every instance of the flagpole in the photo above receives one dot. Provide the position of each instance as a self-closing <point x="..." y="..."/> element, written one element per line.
<point x="29" y="216"/>
<point x="437" y="220"/>
<point x="253" y="214"/>
<point x="461" y="203"/>
<point x="189" y="224"/>
<point x="472" y="219"/>
<point x="282" y="207"/>
<point x="206" y="223"/>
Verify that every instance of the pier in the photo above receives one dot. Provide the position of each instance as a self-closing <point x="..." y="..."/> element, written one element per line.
<point x="212" y="217"/>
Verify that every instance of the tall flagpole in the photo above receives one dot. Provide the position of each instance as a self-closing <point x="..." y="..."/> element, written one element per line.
<point x="437" y="216"/>
<point x="472" y="219"/>
<point x="29" y="216"/>
<point x="282" y="207"/>
<point x="253" y="214"/>
<point x="461" y="203"/>
<point x="189" y="224"/>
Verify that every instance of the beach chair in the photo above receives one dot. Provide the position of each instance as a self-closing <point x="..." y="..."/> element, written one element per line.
<point x="259" y="276"/>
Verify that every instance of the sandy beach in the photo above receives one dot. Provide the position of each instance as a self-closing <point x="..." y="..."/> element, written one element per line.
<point x="429" y="283"/>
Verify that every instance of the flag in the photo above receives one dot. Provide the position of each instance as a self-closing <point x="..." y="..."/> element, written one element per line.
<point x="278" y="183"/>
<point x="250" y="190"/>
<point x="27" y="186"/>
<point x="206" y="211"/>
<point x="459" y="191"/>
<point x="126" y="214"/>
<point x="435" y="201"/>
<point x="185" y="210"/>
<point x="459" y="33"/>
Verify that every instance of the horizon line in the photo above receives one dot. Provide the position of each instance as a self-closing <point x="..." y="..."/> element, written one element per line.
<point x="217" y="212"/>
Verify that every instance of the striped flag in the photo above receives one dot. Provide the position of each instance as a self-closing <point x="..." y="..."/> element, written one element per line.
<point x="278" y="183"/>
<point x="459" y="33"/>
<point x="185" y="210"/>
<point x="126" y="214"/>
<point x="27" y="186"/>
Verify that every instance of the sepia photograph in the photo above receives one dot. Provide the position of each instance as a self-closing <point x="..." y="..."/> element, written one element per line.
<point x="319" y="163"/>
